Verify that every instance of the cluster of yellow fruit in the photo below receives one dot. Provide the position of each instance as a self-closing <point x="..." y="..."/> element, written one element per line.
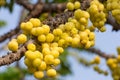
<point x="97" y="15"/>
<point x="43" y="53"/>
<point x="2" y="2"/>
<point x="45" y="59"/>
<point x="114" y="7"/>
<point x="114" y="66"/>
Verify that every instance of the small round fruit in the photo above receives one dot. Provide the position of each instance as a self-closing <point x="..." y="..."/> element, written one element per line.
<point x="28" y="26"/>
<point x="39" y="74"/>
<point x="21" y="38"/>
<point x="31" y="47"/>
<point x="13" y="46"/>
<point x="46" y="29"/>
<point x="30" y="55"/>
<point x="70" y="6"/>
<point x="51" y="72"/>
<point x="56" y="62"/>
<point x="77" y="5"/>
<point x="49" y="59"/>
<point x="37" y="62"/>
<point x="41" y="38"/>
<point x="36" y="22"/>
<point x="97" y="59"/>
<point x="55" y="53"/>
<point x="49" y="37"/>
<point x="42" y="66"/>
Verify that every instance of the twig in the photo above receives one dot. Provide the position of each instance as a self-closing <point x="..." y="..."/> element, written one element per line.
<point x="100" y="53"/>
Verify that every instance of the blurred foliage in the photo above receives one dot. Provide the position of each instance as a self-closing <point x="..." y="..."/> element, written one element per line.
<point x="65" y="65"/>
<point x="2" y="23"/>
<point x="8" y="4"/>
<point x="12" y="73"/>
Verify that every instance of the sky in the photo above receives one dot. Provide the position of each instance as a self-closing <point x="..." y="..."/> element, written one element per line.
<point x="107" y="42"/>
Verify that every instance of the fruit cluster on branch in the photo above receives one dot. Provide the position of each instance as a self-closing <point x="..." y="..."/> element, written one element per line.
<point x="68" y="29"/>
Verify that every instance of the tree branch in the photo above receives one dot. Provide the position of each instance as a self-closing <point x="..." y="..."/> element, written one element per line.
<point x="100" y="53"/>
<point x="25" y="4"/>
<point x="112" y="21"/>
<point x="12" y="57"/>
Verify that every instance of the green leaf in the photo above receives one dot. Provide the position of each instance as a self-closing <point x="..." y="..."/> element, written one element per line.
<point x="2" y="23"/>
<point x="65" y="65"/>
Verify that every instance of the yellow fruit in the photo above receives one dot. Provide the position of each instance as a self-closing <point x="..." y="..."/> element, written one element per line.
<point x="82" y="27"/>
<point x="69" y="26"/>
<point x="33" y="31"/>
<point x="31" y="69"/>
<point x="22" y="25"/>
<point x="46" y="51"/>
<point x="88" y="44"/>
<point x="56" y="62"/>
<point x="113" y="66"/>
<point x="70" y="6"/>
<point x="75" y="42"/>
<point x="27" y="62"/>
<point x="46" y="29"/>
<point x="36" y="62"/>
<point x="39" y="30"/>
<point x="57" y="32"/>
<point x="77" y="5"/>
<point x="51" y="73"/>
<point x="87" y="31"/>
<point x="39" y="74"/>
<point x="13" y="46"/>
<point x="30" y="55"/>
<point x="49" y="59"/>
<point x="74" y="31"/>
<point x="42" y="66"/>
<point x="61" y="26"/>
<point x="28" y="26"/>
<point x="118" y="58"/>
<point x="83" y="35"/>
<point x="54" y="44"/>
<point x="60" y="49"/>
<point x="55" y="53"/>
<point x="45" y="45"/>
<point x="77" y="14"/>
<point x="31" y="47"/>
<point x="110" y="62"/>
<point x="83" y="20"/>
<point x="61" y="42"/>
<point x="41" y="38"/>
<point x="56" y="38"/>
<point x="36" y="22"/>
<point x="91" y="36"/>
<point x="21" y="38"/>
<point x="97" y="59"/>
<point x="38" y="54"/>
<point x="49" y="37"/>
<point x="103" y="29"/>
<point x="68" y="39"/>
